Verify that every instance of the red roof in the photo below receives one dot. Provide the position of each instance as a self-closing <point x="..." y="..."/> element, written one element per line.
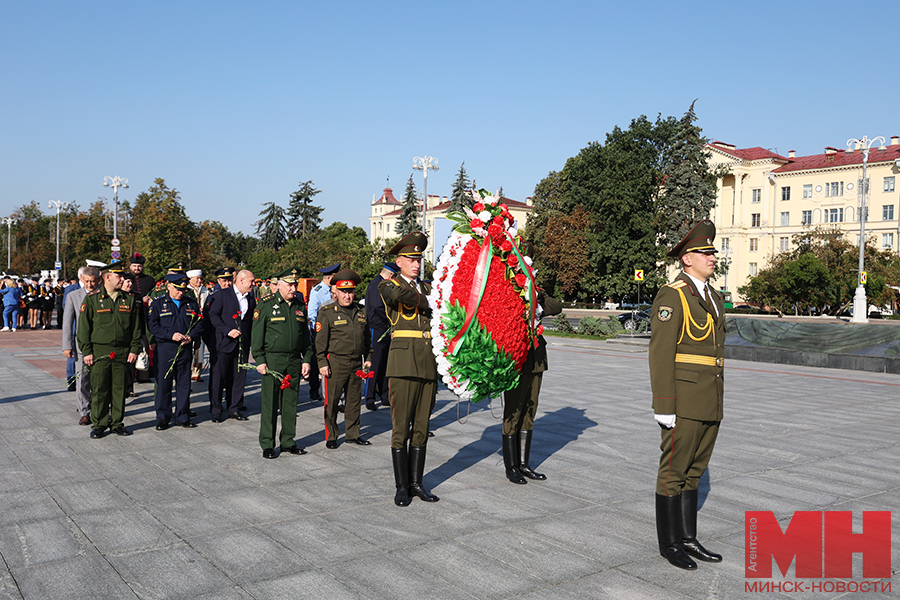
<point x="387" y="197"/>
<point x="756" y="153"/>
<point x="839" y="158"/>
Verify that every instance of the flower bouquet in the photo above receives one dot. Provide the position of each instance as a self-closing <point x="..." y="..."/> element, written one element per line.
<point x="484" y="300"/>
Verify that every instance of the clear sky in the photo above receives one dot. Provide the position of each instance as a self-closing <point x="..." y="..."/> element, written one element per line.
<point x="235" y="103"/>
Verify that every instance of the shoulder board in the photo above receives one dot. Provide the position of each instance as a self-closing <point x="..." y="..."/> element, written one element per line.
<point x="96" y="291"/>
<point x="676" y="284"/>
<point x="394" y="281"/>
<point x="267" y="297"/>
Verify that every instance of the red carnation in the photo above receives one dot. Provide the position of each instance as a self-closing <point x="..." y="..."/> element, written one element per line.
<point x="521" y="280"/>
<point x="236" y="316"/>
<point x="512" y="260"/>
<point x="112" y="356"/>
<point x="506" y="246"/>
<point x="504" y="207"/>
<point x="478" y="207"/>
<point x="476" y="224"/>
<point x="540" y="329"/>
<point x="498" y="220"/>
<point x="286" y="382"/>
<point x="494" y="230"/>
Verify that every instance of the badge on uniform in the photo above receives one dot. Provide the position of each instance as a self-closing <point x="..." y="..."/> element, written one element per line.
<point x="665" y="313"/>
<point x="318" y="326"/>
<point x="256" y="314"/>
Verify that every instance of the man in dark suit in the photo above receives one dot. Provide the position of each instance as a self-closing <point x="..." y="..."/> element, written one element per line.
<point x="224" y="281"/>
<point x="687" y="368"/>
<point x="231" y="314"/>
<point x="379" y="342"/>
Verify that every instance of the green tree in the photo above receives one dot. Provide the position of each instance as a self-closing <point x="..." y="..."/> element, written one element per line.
<point x="85" y="236"/>
<point x="164" y="233"/>
<point x="689" y="192"/>
<point x="459" y="196"/>
<point x="32" y="248"/>
<point x="409" y="215"/>
<point x="271" y="227"/>
<point x="303" y="218"/>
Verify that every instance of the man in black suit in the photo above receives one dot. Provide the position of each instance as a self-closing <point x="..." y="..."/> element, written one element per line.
<point x="231" y="314"/>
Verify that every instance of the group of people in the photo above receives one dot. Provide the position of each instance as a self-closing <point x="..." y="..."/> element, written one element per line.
<point x="30" y="305"/>
<point x="385" y="345"/>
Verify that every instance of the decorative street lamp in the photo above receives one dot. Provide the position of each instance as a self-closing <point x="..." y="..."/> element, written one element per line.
<point x="116" y="182"/>
<point x="860" y="303"/>
<point x="9" y="223"/>
<point x="423" y="164"/>
<point x="59" y="204"/>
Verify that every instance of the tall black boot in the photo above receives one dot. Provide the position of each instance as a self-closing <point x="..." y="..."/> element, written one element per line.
<point x="511" y="458"/>
<point x="525" y="455"/>
<point x="416" y="472"/>
<point x="401" y="476"/>
<point x="689" y="501"/>
<point x="668" y="531"/>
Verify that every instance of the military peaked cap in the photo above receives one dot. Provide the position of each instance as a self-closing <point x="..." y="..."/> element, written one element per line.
<point x="330" y="270"/>
<point x="698" y="239"/>
<point x="225" y="273"/>
<point x="289" y="275"/>
<point x="412" y="245"/>
<point x="115" y="267"/>
<point x="347" y="279"/>
<point x="178" y="280"/>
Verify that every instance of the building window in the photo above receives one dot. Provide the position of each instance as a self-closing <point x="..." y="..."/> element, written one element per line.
<point x="807" y="191"/>
<point x="784" y="244"/>
<point x="887" y="212"/>
<point x="755" y="220"/>
<point x="889" y="184"/>
<point x="834" y="189"/>
<point x="757" y="195"/>
<point x="753" y="269"/>
<point x="834" y="215"/>
<point x="785" y="194"/>
<point x="806" y="219"/>
<point x="785" y="219"/>
<point x="726" y="245"/>
<point x="887" y="241"/>
<point x="387" y="227"/>
<point x="754" y="244"/>
<point x="857" y="241"/>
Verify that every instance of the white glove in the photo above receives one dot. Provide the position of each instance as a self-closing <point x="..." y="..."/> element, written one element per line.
<point x="667" y="421"/>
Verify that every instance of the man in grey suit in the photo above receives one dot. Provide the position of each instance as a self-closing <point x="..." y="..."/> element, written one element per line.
<point x="90" y="279"/>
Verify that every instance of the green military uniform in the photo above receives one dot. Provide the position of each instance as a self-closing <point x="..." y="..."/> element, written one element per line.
<point x="687" y="357"/>
<point x="280" y="340"/>
<point x="109" y="326"/>
<point x="520" y="403"/>
<point x="341" y="342"/>
<point x="411" y="371"/>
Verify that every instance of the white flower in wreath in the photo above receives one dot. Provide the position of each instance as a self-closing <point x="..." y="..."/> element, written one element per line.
<point x="485" y="216"/>
<point x="528" y="260"/>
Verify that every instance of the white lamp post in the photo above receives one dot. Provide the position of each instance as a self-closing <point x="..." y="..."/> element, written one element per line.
<point x="9" y="223"/>
<point x="115" y="182"/>
<point x="860" y="303"/>
<point x="59" y="204"/>
<point x="423" y="164"/>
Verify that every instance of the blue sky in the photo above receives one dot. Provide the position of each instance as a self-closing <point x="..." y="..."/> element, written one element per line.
<point x="234" y="104"/>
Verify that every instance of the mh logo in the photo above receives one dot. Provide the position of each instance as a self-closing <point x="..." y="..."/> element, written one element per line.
<point x="822" y="542"/>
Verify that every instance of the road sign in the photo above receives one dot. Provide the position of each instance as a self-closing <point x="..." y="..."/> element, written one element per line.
<point x="115" y="241"/>
<point x="116" y="255"/>
<point x="116" y="248"/>
<point x="58" y="265"/>
<point x="638" y="275"/>
<point x="863" y="278"/>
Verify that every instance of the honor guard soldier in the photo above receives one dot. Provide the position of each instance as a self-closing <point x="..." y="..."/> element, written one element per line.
<point x="109" y="336"/>
<point x="175" y="321"/>
<point x="342" y="339"/>
<point x="687" y="356"/>
<point x="520" y="403"/>
<point x="411" y="367"/>
<point x="319" y="295"/>
<point x="281" y="344"/>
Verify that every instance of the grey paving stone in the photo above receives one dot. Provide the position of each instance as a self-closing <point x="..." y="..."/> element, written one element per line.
<point x="610" y="584"/>
<point x="390" y="576"/>
<point x="120" y="530"/>
<point x="212" y="482"/>
<point x="319" y="541"/>
<point x="9" y="590"/>
<point x="196" y="516"/>
<point x="88" y="496"/>
<point x="306" y="584"/>
<point x="259" y="505"/>
<point x="85" y="578"/>
<point x="28" y="505"/>
<point x="170" y="571"/>
<point x="248" y="555"/>
<point x="17" y="478"/>
<point x="37" y="542"/>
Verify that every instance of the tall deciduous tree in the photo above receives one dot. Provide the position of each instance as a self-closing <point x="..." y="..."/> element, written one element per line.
<point x="689" y="192"/>
<point x="303" y="217"/>
<point x="409" y="215"/>
<point x="271" y="227"/>
<point x="460" y="197"/>
<point x="164" y="232"/>
<point x="33" y="251"/>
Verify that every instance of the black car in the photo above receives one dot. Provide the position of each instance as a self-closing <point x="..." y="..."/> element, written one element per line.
<point x="630" y="320"/>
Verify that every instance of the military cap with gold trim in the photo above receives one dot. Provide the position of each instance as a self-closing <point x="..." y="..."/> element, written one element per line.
<point x="179" y="281"/>
<point x="699" y="239"/>
<point x="289" y="275"/>
<point x="347" y="279"/>
<point x="114" y="267"/>
<point x="225" y="273"/>
<point x="412" y="245"/>
<point x="176" y="267"/>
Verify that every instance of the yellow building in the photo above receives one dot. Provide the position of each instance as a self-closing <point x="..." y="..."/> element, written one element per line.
<point x="386" y="211"/>
<point x="766" y="199"/>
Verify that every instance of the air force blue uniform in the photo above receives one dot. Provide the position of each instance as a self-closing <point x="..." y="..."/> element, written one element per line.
<point x="166" y="318"/>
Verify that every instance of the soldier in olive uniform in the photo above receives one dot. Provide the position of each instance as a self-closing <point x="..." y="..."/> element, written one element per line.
<point x="687" y="350"/>
<point x="520" y="403"/>
<point x="280" y="342"/>
<point x="109" y="336"/>
<point x="411" y="367"/>
<point x="341" y="341"/>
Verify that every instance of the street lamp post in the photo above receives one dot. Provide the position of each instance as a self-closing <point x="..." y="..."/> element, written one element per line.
<point x="423" y="164"/>
<point x="115" y="182"/>
<point x="9" y="223"/>
<point x="59" y="204"/>
<point x="860" y="303"/>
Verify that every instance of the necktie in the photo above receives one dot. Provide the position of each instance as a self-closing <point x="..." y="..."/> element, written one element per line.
<point x="709" y="301"/>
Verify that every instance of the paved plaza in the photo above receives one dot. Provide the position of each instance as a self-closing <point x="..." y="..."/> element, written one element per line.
<point x="200" y="514"/>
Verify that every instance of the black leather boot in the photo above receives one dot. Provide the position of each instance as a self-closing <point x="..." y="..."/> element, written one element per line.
<point x="401" y="476"/>
<point x="416" y="472"/>
<point x="689" y="501"/>
<point x="668" y="531"/>
<point x="510" y="448"/>
<point x="525" y="455"/>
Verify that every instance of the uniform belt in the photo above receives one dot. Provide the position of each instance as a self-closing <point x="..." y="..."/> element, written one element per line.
<point x="411" y="333"/>
<point x="697" y="359"/>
